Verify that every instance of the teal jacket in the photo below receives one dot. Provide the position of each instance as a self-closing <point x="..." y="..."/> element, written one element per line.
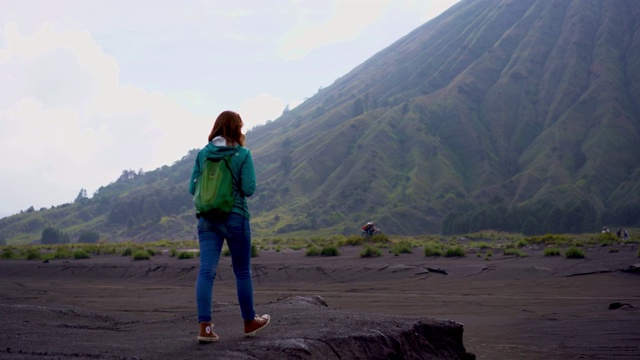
<point x="241" y="167"/>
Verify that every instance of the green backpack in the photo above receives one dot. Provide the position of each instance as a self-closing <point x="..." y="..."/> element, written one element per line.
<point x="214" y="191"/>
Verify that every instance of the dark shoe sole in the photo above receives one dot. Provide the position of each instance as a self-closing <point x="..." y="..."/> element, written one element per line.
<point x="207" y="339"/>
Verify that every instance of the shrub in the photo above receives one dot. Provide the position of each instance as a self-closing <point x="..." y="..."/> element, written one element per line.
<point x="188" y="255"/>
<point x="402" y="247"/>
<point x="551" y="251"/>
<point x="32" y="254"/>
<point x="482" y="245"/>
<point x="352" y="240"/>
<point x="173" y="252"/>
<point x="606" y="239"/>
<point x="554" y="239"/>
<point x="127" y="252"/>
<point x="226" y="252"/>
<point x="370" y="251"/>
<point x="7" y="253"/>
<point x="254" y="251"/>
<point x="432" y="250"/>
<point x="515" y="252"/>
<point x="62" y="252"/>
<point x="80" y="254"/>
<point x="379" y="239"/>
<point x="455" y="251"/>
<point x="330" y="250"/>
<point x="141" y="255"/>
<point x="521" y="243"/>
<point x="574" y="253"/>
<point x="312" y="251"/>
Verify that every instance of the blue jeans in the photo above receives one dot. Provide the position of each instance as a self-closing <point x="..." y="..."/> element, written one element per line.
<point x="211" y="235"/>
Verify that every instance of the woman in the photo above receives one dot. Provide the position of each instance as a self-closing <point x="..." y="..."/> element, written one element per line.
<point x="225" y="139"/>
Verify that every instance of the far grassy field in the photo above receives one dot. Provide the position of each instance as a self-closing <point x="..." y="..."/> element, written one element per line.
<point x="482" y="244"/>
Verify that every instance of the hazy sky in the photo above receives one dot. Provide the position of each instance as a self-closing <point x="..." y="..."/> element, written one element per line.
<point x="91" y="88"/>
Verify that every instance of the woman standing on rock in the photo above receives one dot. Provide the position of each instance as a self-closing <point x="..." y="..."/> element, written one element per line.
<point x="227" y="141"/>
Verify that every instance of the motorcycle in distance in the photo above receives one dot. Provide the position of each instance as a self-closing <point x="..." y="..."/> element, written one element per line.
<point x="370" y="229"/>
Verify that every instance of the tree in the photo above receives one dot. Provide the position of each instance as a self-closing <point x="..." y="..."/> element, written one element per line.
<point x="88" y="236"/>
<point x="51" y="235"/>
<point x="82" y="195"/>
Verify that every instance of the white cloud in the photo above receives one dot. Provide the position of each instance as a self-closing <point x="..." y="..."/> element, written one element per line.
<point x="259" y="109"/>
<point x="66" y="123"/>
<point x="347" y="20"/>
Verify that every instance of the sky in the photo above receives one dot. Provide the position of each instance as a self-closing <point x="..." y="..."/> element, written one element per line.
<point x="89" y="88"/>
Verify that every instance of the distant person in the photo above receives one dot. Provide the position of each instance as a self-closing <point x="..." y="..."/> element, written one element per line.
<point x="605" y="230"/>
<point x="625" y="234"/>
<point x="369" y="229"/>
<point x="619" y="233"/>
<point x="225" y="139"/>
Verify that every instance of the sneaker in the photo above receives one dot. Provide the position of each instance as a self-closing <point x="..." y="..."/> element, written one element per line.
<point x="206" y="334"/>
<point x="251" y="327"/>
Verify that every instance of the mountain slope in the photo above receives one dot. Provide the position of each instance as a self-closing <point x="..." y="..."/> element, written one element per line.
<point x="528" y="102"/>
<point x="498" y="114"/>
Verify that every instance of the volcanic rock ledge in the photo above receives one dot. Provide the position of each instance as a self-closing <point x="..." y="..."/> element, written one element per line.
<point x="303" y="327"/>
<point x="309" y="329"/>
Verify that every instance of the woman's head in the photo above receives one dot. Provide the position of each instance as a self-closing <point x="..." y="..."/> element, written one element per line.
<point x="229" y="126"/>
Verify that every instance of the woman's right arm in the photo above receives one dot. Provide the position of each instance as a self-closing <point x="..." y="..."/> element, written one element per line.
<point x="248" y="176"/>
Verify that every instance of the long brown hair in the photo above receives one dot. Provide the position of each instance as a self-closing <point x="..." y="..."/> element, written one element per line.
<point x="229" y="126"/>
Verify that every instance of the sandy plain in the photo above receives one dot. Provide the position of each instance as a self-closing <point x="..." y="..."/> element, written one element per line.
<point x="533" y="307"/>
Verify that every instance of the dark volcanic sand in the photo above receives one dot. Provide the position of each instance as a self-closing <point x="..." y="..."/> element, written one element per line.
<point x="534" y="307"/>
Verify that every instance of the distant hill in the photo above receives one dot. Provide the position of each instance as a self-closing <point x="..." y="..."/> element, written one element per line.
<point x="498" y="114"/>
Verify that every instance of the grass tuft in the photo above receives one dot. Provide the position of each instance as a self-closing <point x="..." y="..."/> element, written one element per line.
<point x="402" y="247"/>
<point x="552" y="251"/>
<point x="32" y="254"/>
<point x="330" y="250"/>
<point x="312" y="251"/>
<point x="187" y="255"/>
<point x="455" y="251"/>
<point x="8" y="253"/>
<point x="141" y="255"/>
<point x="370" y="251"/>
<point x="574" y="253"/>
<point x="516" y="252"/>
<point x="80" y="254"/>
<point x="432" y="249"/>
